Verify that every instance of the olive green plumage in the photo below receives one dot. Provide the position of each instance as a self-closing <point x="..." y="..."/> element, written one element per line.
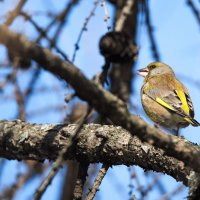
<point x="165" y="99"/>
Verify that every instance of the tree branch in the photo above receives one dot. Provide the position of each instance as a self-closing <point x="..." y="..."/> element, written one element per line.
<point x="194" y="10"/>
<point x="97" y="182"/>
<point x="14" y="13"/>
<point x="95" y="143"/>
<point x="104" y="102"/>
<point x="80" y="181"/>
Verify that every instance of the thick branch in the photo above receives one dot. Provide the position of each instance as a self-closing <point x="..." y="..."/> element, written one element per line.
<point x="104" y="102"/>
<point x="95" y="143"/>
<point x="121" y="74"/>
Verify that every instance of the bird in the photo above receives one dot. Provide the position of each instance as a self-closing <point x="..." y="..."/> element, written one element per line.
<point x="165" y="100"/>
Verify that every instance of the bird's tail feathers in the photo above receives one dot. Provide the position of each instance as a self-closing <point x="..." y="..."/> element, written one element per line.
<point x="192" y="121"/>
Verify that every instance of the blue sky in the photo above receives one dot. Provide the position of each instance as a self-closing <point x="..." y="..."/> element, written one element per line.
<point x="177" y="35"/>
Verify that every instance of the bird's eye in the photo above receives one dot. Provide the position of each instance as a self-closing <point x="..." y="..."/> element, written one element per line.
<point x="152" y="66"/>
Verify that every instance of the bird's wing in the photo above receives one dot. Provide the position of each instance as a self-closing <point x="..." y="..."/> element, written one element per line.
<point x="176" y="99"/>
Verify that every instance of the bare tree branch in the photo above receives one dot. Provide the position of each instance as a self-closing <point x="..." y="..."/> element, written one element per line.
<point x="62" y="17"/>
<point x="60" y="159"/>
<point x="194" y="186"/>
<point x="97" y="182"/>
<point x="84" y="28"/>
<point x="80" y="181"/>
<point x="69" y="180"/>
<point x="126" y="11"/>
<point x="121" y="74"/>
<point x="13" y="14"/>
<point x="104" y="102"/>
<point x="95" y="143"/>
<point x="194" y="10"/>
<point x="150" y="29"/>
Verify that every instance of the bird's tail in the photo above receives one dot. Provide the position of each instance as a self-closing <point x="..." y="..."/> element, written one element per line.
<point x="192" y="121"/>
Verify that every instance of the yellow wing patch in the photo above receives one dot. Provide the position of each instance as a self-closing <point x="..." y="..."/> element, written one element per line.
<point x="184" y="107"/>
<point x="163" y="103"/>
<point x="188" y="120"/>
<point x="183" y="99"/>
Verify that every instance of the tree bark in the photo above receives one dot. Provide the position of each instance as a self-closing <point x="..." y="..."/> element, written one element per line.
<point x="95" y="143"/>
<point x="104" y="102"/>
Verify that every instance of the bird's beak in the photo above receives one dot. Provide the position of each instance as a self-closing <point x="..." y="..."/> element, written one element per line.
<point x="143" y="72"/>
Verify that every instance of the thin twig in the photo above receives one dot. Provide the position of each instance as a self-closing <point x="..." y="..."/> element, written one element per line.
<point x="84" y="28"/>
<point x="172" y="193"/>
<point x="5" y="81"/>
<point x="194" y="10"/>
<point x="34" y="169"/>
<point x="97" y="182"/>
<point x="150" y="186"/>
<point x="42" y="32"/>
<point x="13" y="14"/>
<point x="62" y="19"/>
<point x="18" y="93"/>
<point x="20" y="101"/>
<point x="103" y="4"/>
<point x="92" y="172"/>
<point x="56" y="18"/>
<point x="133" y="176"/>
<point x="31" y="84"/>
<point x="154" y="47"/>
<point x="59" y="161"/>
<point x="137" y="179"/>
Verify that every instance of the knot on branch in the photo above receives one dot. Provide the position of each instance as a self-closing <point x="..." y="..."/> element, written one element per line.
<point x="118" y="47"/>
<point x="17" y="60"/>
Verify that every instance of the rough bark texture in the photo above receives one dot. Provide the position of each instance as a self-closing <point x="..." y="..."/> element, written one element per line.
<point x="194" y="186"/>
<point x="95" y="143"/>
<point x="105" y="103"/>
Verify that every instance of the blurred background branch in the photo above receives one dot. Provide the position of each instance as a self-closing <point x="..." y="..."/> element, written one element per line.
<point x="127" y="34"/>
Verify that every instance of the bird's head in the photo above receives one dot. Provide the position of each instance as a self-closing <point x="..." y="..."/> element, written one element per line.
<point x="155" y="69"/>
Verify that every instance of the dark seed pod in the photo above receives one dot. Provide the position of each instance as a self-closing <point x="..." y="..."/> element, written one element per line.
<point x="117" y="47"/>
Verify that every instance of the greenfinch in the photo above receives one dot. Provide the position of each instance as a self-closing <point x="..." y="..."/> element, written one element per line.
<point x="165" y="99"/>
